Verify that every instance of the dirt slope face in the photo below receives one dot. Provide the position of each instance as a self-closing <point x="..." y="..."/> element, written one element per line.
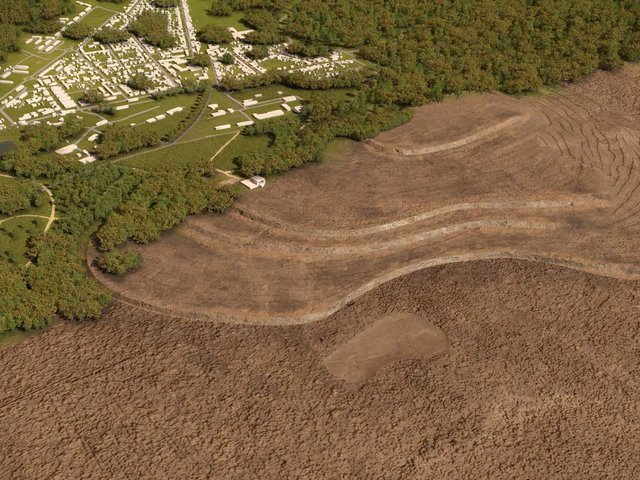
<point x="553" y="178"/>
<point x="540" y="380"/>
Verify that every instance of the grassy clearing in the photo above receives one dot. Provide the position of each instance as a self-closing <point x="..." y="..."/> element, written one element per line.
<point x="57" y="52"/>
<point x="33" y="62"/>
<point x="140" y="112"/>
<point x="147" y="108"/>
<point x="97" y="17"/>
<point x="178" y="155"/>
<point x="223" y="100"/>
<point x="263" y="109"/>
<point x="108" y="5"/>
<point x="207" y="125"/>
<point x="242" y="144"/>
<point x="198" y="10"/>
<point x="13" y="237"/>
<point x="10" y="133"/>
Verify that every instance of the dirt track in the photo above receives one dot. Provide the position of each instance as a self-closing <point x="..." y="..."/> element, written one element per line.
<point x="541" y="376"/>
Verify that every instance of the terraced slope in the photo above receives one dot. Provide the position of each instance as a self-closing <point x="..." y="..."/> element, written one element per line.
<point x="553" y="178"/>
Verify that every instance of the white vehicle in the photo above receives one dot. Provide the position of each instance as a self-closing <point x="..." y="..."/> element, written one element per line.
<point x="254" y="182"/>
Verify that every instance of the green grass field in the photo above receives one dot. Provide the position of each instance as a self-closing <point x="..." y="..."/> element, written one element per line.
<point x="198" y="10"/>
<point x="97" y="17"/>
<point x="146" y="108"/>
<point x="207" y="125"/>
<point x="178" y="155"/>
<point x="242" y="144"/>
<point x="10" y="133"/>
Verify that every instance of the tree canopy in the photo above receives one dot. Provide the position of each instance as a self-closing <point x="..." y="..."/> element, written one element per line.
<point x="154" y="28"/>
<point x="214" y="34"/>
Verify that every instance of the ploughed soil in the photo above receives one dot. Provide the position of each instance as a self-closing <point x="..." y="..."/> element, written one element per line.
<point x="400" y="336"/>
<point x="552" y="178"/>
<point x="541" y="380"/>
<point x="403" y="310"/>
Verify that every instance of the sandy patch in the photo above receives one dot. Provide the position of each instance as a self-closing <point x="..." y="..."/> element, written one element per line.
<point x="393" y="338"/>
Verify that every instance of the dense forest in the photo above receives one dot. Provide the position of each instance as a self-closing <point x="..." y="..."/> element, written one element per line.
<point x="415" y="51"/>
<point x="154" y="28"/>
<point x="427" y="49"/>
<point x="37" y="16"/>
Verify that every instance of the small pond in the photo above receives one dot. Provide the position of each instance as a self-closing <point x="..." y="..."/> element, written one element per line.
<point x="5" y="146"/>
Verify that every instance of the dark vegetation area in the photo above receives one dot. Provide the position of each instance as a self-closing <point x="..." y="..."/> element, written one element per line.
<point x="119" y="262"/>
<point x="34" y="157"/>
<point x="418" y="51"/>
<point x="140" y="82"/>
<point x="154" y="28"/>
<point x="258" y="52"/>
<point x="200" y="60"/>
<point x="109" y="35"/>
<point x="34" y="16"/>
<point x="214" y="34"/>
<point x="220" y="8"/>
<point x="296" y="47"/>
<point x="77" y="31"/>
<point x="17" y="196"/>
<point x="165" y="3"/>
<point x="116" y="203"/>
<point x="92" y="96"/>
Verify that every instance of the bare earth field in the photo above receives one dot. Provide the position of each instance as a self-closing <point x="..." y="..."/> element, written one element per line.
<point x="554" y="178"/>
<point x="541" y="380"/>
<point x="458" y="298"/>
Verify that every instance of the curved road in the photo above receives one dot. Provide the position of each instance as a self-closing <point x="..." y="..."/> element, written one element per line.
<point x="52" y="214"/>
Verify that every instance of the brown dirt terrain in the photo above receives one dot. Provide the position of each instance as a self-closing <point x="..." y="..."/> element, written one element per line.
<point x="393" y="338"/>
<point x="541" y="380"/>
<point x="553" y="178"/>
<point x="210" y="366"/>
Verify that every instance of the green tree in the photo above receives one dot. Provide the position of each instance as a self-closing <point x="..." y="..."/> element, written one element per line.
<point x="220" y="8"/>
<point x="77" y="31"/>
<point x="214" y="34"/>
<point x="109" y="35"/>
<point x="227" y="59"/>
<point x="92" y="96"/>
<point x="200" y="60"/>
<point x="119" y="262"/>
<point x="154" y="28"/>
<point x="140" y="82"/>
<point x="258" y="52"/>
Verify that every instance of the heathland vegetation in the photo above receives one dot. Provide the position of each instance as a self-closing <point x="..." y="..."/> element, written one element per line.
<point x="414" y="51"/>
